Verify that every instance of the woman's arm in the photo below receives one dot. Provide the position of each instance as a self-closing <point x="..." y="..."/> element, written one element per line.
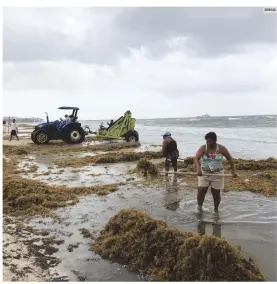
<point x="197" y="158"/>
<point x="228" y="156"/>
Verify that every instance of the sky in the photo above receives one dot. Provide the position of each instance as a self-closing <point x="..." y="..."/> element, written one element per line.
<point x="156" y="62"/>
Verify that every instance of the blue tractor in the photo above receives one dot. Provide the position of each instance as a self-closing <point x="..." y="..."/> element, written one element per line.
<point x="69" y="130"/>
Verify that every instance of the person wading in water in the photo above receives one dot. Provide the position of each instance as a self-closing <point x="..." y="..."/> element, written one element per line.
<point x="208" y="160"/>
<point x="170" y="151"/>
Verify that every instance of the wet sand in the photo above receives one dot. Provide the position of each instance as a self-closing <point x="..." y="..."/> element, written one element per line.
<point x="19" y="261"/>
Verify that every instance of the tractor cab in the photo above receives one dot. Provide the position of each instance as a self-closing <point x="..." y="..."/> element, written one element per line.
<point x="72" y="117"/>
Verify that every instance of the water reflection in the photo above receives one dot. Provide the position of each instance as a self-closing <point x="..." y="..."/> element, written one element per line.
<point x="217" y="229"/>
<point x="169" y="183"/>
<point x="174" y="182"/>
<point x="202" y="226"/>
<point x="171" y="197"/>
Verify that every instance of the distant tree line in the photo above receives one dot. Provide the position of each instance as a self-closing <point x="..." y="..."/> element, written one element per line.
<point x="21" y="119"/>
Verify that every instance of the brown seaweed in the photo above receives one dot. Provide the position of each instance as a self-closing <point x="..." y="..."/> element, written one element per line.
<point x="133" y="238"/>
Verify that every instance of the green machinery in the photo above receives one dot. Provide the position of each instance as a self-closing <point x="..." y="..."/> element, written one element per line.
<point x="123" y="129"/>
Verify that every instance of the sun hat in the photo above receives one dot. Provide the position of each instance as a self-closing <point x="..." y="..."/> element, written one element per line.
<point x="167" y="134"/>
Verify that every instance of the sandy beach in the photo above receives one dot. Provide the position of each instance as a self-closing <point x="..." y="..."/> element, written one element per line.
<point x="58" y="197"/>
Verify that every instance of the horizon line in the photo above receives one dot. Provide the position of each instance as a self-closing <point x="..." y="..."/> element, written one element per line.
<point x="199" y="116"/>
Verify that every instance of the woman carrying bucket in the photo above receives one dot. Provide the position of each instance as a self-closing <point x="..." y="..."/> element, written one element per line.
<point x="208" y="160"/>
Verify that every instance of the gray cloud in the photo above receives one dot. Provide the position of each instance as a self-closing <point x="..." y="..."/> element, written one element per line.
<point x="33" y="43"/>
<point x="36" y="45"/>
<point x="155" y="61"/>
<point x="209" y="31"/>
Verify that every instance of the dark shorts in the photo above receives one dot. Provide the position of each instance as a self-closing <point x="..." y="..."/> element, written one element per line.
<point x="13" y="132"/>
<point x="172" y="158"/>
<point x="173" y="155"/>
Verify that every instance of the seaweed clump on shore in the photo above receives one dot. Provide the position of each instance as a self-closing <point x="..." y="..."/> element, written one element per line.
<point x="60" y="147"/>
<point x="132" y="237"/>
<point x="147" y="167"/>
<point x="109" y="158"/>
<point x="189" y="161"/>
<point x="252" y="165"/>
<point x="23" y="196"/>
<point x="16" y="150"/>
<point x="186" y="165"/>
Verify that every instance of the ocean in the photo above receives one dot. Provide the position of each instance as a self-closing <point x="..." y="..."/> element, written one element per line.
<point x="249" y="137"/>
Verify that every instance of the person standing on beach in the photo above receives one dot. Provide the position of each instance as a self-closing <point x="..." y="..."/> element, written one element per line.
<point x="170" y="151"/>
<point x="14" y="130"/>
<point x="208" y="160"/>
<point x="110" y="123"/>
<point x="4" y="127"/>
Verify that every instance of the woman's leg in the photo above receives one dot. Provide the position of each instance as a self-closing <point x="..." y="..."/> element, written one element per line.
<point x="217" y="185"/>
<point x="201" y="196"/>
<point x="203" y="185"/>
<point x="216" y="197"/>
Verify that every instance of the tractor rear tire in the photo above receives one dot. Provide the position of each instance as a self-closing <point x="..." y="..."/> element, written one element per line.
<point x="131" y="136"/>
<point x="74" y="136"/>
<point x="137" y="136"/>
<point x="40" y="137"/>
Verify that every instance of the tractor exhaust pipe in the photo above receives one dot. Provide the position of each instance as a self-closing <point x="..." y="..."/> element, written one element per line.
<point x="47" y="118"/>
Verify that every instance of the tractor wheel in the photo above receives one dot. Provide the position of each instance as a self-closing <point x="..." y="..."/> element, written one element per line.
<point x="137" y="135"/>
<point x="131" y="136"/>
<point x="74" y="136"/>
<point x="40" y="137"/>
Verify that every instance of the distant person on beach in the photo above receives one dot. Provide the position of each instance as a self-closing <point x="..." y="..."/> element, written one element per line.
<point x="4" y="127"/>
<point x="14" y="130"/>
<point x="110" y="123"/>
<point x="101" y="126"/>
<point x="208" y="160"/>
<point x="170" y="151"/>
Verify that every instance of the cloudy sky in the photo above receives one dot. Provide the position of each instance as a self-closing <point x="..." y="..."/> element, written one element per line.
<point x="157" y="62"/>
